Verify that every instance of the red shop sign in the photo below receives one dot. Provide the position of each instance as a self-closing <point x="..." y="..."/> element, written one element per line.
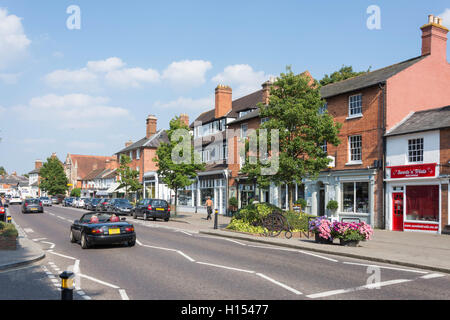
<point x="414" y="171"/>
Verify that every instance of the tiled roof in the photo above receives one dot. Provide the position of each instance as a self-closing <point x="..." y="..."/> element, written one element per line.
<point x="13" y="180"/>
<point x="248" y="116"/>
<point x="367" y="79"/>
<point x="87" y="163"/>
<point x="423" y="121"/>
<point x="153" y="142"/>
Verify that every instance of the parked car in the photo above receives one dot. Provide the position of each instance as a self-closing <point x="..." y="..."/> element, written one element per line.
<point x="15" y="200"/>
<point x="46" y="201"/>
<point x="120" y="207"/>
<point x="102" y="206"/>
<point x="152" y="208"/>
<point x="86" y="203"/>
<point x="3" y="212"/>
<point x="32" y="206"/>
<point x="68" y="202"/>
<point x="54" y="200"/>
<point x="90" y="232"/>
<point x="92" y="205"/>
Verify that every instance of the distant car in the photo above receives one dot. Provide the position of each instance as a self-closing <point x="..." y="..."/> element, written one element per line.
<point x="55" y="200"/>
<point x="46" y="201"/>
<point x="102" y="231"/>
<point x="15" y="200"/>
<point x="120" y="207"/>
<point x="86" y="203"/>
<point x="102" y="206"/>
<point x="68" y="202"/>
<point x="80" y="203"/>
<point x="152" y="208"/>
<point x="32" y="206"/>
<point x="3" y="212"/>
<point x="93" y="204"/>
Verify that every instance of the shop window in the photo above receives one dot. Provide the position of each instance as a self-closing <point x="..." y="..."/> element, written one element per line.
<point x="422" y="203"/>
<point x="184" y="197"/>
<point x="415" y="150"/>
<point x="355" y="197"/>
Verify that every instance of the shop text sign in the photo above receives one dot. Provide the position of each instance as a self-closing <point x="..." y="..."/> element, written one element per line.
<point x="415" y="171"/>
<point x="422" y="226"/>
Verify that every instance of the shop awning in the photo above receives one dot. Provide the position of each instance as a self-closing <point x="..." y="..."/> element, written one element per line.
<point x="113" y="188"/>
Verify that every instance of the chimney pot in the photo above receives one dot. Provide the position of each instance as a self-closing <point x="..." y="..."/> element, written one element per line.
<point x="224" y="100"/>
<point x="434" y="38"/>
<point x="151" y="126"/>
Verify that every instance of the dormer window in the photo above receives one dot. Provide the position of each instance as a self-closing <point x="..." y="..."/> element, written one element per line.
<point x="243" y="113"/>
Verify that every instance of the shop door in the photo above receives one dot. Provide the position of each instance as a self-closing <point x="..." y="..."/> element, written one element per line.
<point x="397" y="212"/>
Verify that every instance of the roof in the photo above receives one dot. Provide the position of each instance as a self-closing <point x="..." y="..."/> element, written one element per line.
<point x="247" y="102"/>
<point x="154" y="142"/>
<point x="102" y="173"/>
<point x="423" y="121"/>
<point x="14" y="180"/>
<point x="248" y="116"/>
<point x="93" y="174"/>
<point x="367" y="79"/>
<point x="35" y="171"/>
<point x="87" y="163"/>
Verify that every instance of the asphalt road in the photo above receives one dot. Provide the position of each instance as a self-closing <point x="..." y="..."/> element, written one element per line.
<point x="174" y="264"/>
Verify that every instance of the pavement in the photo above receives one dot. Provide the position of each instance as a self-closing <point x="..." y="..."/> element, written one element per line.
<point x="27" y="252"/>
<point x="417" y="250"/>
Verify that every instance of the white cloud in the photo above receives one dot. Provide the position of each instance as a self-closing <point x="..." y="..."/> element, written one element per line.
<point x="445" y="17"/>
<point x="242" y="78"/>
<point x="71" y="79"/>
<point x="187" y="73"/>
<point x="73" y="111"/>
<point x="132" y="77"/>
<point x="187" y="104"/>
<point x="13" y="40"/>
<point x="9" y="78"/>
<point x="105" y="65"/>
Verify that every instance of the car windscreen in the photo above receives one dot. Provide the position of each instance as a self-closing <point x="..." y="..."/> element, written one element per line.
<point x="102" y="218"/>
<point x="122" y="201"/>
<point x="44" y="198"/>
<point x="159" y="203"/>
<point x="33" y="201"/>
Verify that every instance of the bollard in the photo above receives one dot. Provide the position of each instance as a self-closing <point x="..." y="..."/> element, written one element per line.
<point x="9" y="219"/>
<point x="67" y="285"/>
<point x="216" y="213"/>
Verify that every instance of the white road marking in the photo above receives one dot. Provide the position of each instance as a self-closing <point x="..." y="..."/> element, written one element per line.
<point x="432" y="276"/>
<point x="225" y="267"/>
<point x="367" y="286"/>
<point x="99" y="281"/>
<point x="123" y="294"/>
<point x="279" y="283"/>
<point x="52" y="245"/>
<point x="153" y="247"/>
<point x="184" y="232"/>
<point x="186" y="256"/>
<point x="28" y="230"/>
<point x="61" y="255"/>
<point x="383" y="267"/>
<point x="294" y="250"/>
<point x="39" y="239"/>
<point x="234" y="241"/>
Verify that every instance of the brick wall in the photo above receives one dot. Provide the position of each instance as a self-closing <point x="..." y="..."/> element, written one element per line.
<point x="444" y="206"/>
<point x="445" y="151"/>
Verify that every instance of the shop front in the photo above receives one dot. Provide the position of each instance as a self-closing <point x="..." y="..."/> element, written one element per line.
<point x="413" y="196"/>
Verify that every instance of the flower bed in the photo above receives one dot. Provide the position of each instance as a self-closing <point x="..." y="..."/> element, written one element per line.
<point x="8" y="236"/>
<point x="349" y="234"/>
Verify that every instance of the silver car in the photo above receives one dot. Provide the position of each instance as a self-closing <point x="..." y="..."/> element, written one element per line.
<point x="46" y="201"/>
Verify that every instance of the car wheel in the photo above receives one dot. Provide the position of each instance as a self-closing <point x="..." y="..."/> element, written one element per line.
<point x="132" y="243"/>
<point x="84" y="243"/>
<point x="72" y="237"/>
<point x="154" y="219"/>
<point x="167" y="219"/>
<point x="145" y="216"/>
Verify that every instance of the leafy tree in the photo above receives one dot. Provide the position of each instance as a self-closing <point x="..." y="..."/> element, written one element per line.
<point x="293" y="111"/>
<point x="178" y="174"/>
<point x="129" y="178"/>
<point x="76" y="193"/>
<point x="53" y="178"/>
<point x="3" y="171"/>
<point x="346" y="72"/>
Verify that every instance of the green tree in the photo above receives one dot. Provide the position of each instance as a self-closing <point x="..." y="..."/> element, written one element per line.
<point x="293" y="112"/>
<point x="76" y="193"/>
<point x="3" y="171"/>
<point x="346" y="72"/>
<point x="129" y="178"/>
<point x="174" y="172"/>
<point x="53" y="178"/>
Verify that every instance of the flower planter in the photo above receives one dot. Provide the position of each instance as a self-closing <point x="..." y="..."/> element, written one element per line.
<point x="8" y="243"/>
<point x="322" y="240"/>
<point x="349" y="243"/>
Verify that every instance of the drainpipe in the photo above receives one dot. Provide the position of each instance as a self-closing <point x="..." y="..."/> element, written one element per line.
<point x="225" y="174"/>
<point x="383" y="119"/>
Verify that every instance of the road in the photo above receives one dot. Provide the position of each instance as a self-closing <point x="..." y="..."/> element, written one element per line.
<point x="172" y="264"/>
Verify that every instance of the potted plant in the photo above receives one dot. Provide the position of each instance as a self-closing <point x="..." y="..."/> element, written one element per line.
<point x="301" y="203"/>
<point x="322" y="229"/>
<point x="8" y="236"/>
<point x="333" y="205"/>
<point x="233" y="204"/>
<point x="350" y="234"/>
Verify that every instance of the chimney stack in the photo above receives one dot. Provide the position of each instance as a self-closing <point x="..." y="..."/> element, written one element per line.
<point x="151" y="126"/>
<point x="185" y="119"/>
<point x="129" y="143"/>
<point x="266" y="86"/>
<point x="224" y="100"/>
<point x="434" y="38"/>
<point x="38" y="164"/>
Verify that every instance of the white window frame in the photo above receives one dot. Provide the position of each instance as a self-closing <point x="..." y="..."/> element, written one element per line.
<point x="350" y="160"/>
<point x="353" y="105"/>
<point x="242" y="130"/>
<point x="408" y="155"/>
<point x="138" y="154"/>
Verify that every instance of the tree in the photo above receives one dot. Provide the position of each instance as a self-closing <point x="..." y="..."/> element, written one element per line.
<point x="3" y="171"/>
<point x="346" y="72"/>
<point x="53" y="178"/>
<point x="293" y="112"/>
<point x="76" y="193"/>
<point x="177" y="162"/>
<point x="129" y="178"/>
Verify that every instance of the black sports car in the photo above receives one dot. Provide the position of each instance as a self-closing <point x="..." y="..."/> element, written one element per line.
<point x="93" y="229"/>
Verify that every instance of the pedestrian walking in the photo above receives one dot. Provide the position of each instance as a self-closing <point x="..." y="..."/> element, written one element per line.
<point x="209" y="206"/>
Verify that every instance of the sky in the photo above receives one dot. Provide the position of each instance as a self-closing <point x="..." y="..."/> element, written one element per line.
<point x="86" y="86"/>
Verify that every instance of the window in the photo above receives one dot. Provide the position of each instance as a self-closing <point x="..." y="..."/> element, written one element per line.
<point x="138" y="154"/>
<point x="263" y="120"/>
<point x="225" y="150"/>
<point x="355" y="105"/>
<point x="355" y="145"/>
<point x="324" y="147"/>
<point x="244" y="129"/>
<point x="422" y="203"/>
<point x="243" y="113"/>
<point x="355" y="197"/>
<point x="323" y="109"/>
<point x="415" y="150"/>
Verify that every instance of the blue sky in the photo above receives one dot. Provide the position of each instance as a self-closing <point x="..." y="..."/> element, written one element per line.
<point x="88" y="91"/>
